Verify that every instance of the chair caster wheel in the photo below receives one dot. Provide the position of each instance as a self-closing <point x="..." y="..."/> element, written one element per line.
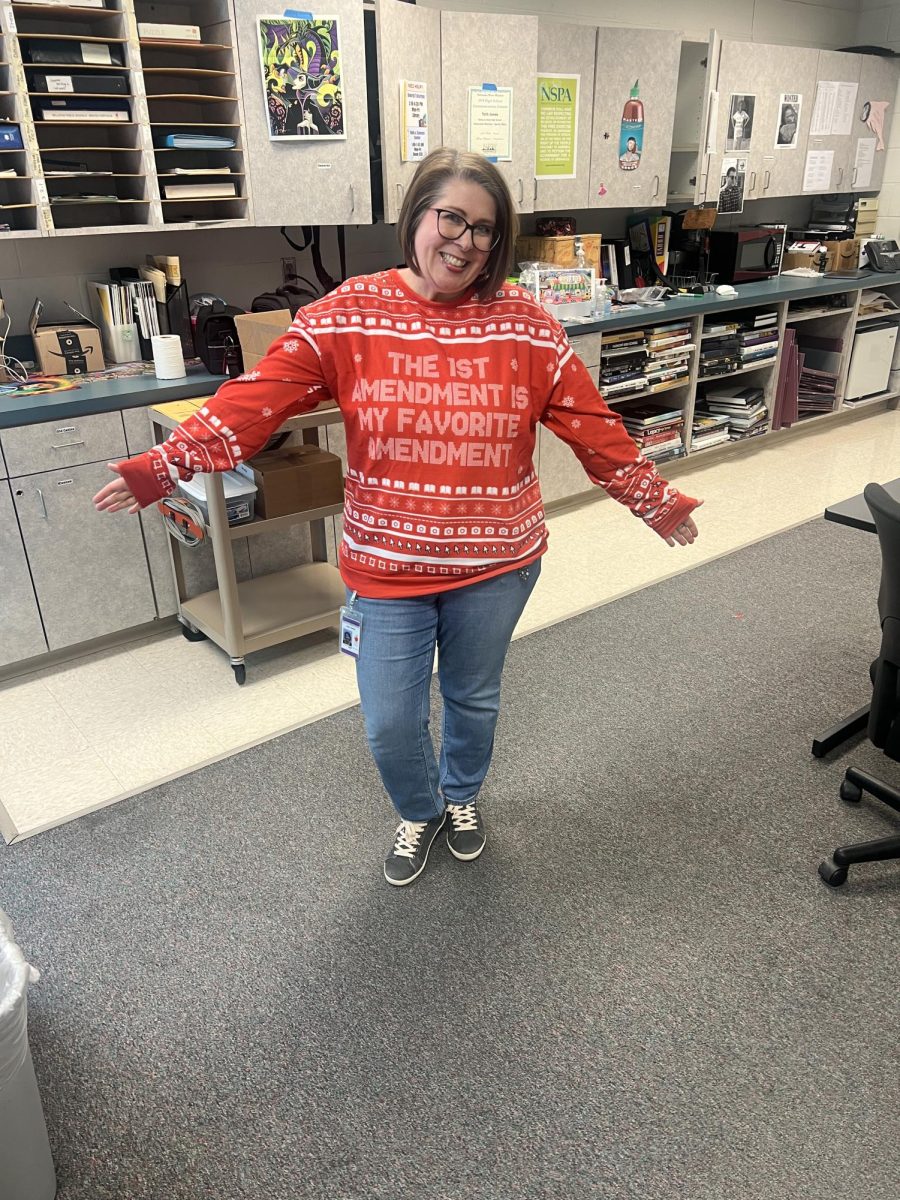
<point x="240" y="672"/>
<point x="832" y="874"/>
<point x="192" y="635"/>
<point x="850" y="792"/>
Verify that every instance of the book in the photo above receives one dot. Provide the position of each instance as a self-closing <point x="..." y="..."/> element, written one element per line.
<point x="197" y="191"/>
<point x="735" y="395"/>
<point x="650" y="414"/>
<point x="197" y="141"/>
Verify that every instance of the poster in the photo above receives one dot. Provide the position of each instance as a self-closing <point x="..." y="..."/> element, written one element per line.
<point x="490" y="121"/>
<point x="413" y="121"/>
<point x="817" y="171"/>
<point x="740" y="122"/>
<point x="864" y="162"/>
<point x="789" y="105"/>
<point x="731" y="185"/>
<point x="833" y="109"/>
<point x="557" y="126"/>
<point x="302" y="80"/>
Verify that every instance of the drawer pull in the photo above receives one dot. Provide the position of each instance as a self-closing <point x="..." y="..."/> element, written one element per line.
<point x="65" y="445"/>
<point x="43" y="505"/>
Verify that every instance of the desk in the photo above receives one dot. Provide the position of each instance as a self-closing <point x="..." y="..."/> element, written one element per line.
<point x="855" y="513"/>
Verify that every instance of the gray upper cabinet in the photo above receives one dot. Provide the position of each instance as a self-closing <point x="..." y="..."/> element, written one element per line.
<point x="307" y="180"/>
<point x="90" y="573"/>
<point x="747" y="69"/>
<point x="877" y="84"/>
<point x="836" y="67"/>
<point x="569" y="50"/>
<point x="21" y="632"/>
<point x="499" y="50"/>
<point x="399" y="27"/>
<point x="653" y="73"/>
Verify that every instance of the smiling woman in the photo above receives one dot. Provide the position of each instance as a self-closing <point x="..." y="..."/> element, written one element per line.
<point x="442" y="372"/>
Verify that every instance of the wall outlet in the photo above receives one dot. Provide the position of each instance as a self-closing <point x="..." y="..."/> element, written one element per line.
<point x="288" y="269"/>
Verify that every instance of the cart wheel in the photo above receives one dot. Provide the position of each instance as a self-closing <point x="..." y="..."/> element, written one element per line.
<point x="192" y="635"/>
<point x="850" y="792"/>
<point x="833" y="875"/>
<point x="240" y="672"/>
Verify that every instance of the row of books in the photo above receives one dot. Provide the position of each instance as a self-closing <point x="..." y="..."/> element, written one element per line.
<point x="728" y="414"/>
<point x="641" y="362"/>
<point x="807" y="377"/>
<point x="739" y="342"/>
<point x="657" y="430"/>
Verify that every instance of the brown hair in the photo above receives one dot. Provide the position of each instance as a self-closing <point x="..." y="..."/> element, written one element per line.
<point x="430" y="179"/>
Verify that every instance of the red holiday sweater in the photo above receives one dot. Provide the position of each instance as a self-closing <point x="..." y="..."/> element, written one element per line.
<point x="440" y="405"/>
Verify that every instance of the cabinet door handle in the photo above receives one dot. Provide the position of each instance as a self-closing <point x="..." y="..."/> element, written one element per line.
<point x="752" y="181"/>
<point x="43" y="505"/>
<point x="853" y="177"/>
<point x="767" y="178"/>
<point x="534" y="193"/>
<point x="352" y="201"/>
<point x="399" y="193"/>
<point x="655" y="187"/>
<point x="521" y="191"/>
<point x="840" y="175"/>
<point x="65" y="445"/>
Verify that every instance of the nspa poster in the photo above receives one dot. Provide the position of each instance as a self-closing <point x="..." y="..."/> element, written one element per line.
<point x="302" y="79"/>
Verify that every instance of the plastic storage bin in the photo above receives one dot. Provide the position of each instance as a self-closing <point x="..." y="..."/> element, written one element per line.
<point x="26" y="1165"/>
<point x="240" y="496"/>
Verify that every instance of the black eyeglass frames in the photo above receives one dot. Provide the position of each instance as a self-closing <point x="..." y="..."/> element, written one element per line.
<point x="452" y="226"/>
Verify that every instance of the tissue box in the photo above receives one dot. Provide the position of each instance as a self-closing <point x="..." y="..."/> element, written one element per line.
<point x="294" y="479"/>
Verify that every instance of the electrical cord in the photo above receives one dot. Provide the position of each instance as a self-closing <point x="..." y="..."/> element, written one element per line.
<point x="183" y="519"/>
<point x="10" y="365"/>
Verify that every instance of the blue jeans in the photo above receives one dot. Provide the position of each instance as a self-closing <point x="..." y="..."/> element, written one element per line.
<point x="470" y="627"/>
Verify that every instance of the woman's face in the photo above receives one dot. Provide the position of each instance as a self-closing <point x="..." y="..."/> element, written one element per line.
<point x="448" y="268"/>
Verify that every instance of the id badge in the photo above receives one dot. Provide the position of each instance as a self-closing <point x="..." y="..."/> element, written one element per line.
<point x="351" y="632"/>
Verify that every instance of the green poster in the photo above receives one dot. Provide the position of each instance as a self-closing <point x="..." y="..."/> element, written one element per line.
<point x="557" y="126"/>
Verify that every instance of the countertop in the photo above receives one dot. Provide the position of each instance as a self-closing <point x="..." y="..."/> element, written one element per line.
<point x="112" y="394"/>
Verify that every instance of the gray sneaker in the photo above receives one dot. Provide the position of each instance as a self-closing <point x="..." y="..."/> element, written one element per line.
<point x="409" y="855"/>
<point x="465" y="831"/>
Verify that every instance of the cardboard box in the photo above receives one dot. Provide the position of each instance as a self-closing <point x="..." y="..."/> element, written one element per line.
<point x="257" y="331"/>
<point x="840" y="257"/>
<point x="295" y="479"/>
<point x="559" y="250"/>
<point x="71" y="349"/>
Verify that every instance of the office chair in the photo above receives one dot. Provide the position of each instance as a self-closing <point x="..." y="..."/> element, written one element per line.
<point x="884" y="714"/>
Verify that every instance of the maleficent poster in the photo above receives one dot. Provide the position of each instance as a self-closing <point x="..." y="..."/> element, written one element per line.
<point x="302" y="79"/>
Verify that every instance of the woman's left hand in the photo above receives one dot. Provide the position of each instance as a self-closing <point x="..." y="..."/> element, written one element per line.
<point x="685" y="533"/>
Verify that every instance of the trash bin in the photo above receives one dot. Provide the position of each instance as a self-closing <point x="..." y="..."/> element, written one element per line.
<point x="26" y="1165"/>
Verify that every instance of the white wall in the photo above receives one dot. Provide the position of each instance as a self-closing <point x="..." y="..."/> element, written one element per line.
<point x="879" y="25"/>
<point x="239" y="264"/>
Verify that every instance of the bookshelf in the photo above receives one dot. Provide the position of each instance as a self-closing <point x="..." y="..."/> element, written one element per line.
<point x="191" y="87"/>
<point x="78" y="76"/>
<point x="19" y="211"/>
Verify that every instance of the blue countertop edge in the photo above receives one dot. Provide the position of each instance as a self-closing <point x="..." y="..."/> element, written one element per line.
<point x="106" y="395"/>
<point x="109" y="395"/>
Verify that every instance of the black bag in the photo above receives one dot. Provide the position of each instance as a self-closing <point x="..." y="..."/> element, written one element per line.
<point x="216" y="338"/>
<point x="291" y="296"/>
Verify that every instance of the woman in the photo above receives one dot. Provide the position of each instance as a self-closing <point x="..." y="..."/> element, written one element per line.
<point x="441" y="373"/>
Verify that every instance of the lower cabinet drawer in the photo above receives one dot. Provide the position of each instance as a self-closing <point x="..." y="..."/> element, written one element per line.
<point x="32" y="448"/>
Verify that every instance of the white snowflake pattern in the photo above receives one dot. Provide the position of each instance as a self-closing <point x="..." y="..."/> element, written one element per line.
<point x="267" y="412"/>
<point x="610" y="420"/>
<point x="357" y="358"/>
<point x="568" y="401"/>
<point x="549" y="366"/>
<point x="576" y="424"/>
<point x="514" y="363"/>
<point x="292" y="346"/>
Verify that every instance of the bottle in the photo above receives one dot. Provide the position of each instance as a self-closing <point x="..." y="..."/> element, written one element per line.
<point x="602" y="298"/>
<point x="631" y="137"/>
<point x="580" y="260"/>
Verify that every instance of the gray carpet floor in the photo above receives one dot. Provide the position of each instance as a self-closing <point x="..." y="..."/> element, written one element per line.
<point x="642" y="989"/>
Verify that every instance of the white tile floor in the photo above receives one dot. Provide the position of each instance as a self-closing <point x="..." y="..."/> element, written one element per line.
<point x="93" y="731"/>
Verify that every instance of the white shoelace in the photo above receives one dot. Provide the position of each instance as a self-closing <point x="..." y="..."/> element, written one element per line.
<point x="463" y="817"/>
<point x="407" y="840"/>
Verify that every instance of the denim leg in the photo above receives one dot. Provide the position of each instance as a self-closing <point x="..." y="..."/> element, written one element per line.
<point x="393" y="673"/>
<point x="475" y="626"/>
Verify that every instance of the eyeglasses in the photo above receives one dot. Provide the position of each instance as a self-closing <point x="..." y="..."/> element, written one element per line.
<point x="452" y="226"/>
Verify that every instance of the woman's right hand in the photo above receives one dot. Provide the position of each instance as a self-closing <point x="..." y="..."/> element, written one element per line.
<point x="116" y="495"/>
